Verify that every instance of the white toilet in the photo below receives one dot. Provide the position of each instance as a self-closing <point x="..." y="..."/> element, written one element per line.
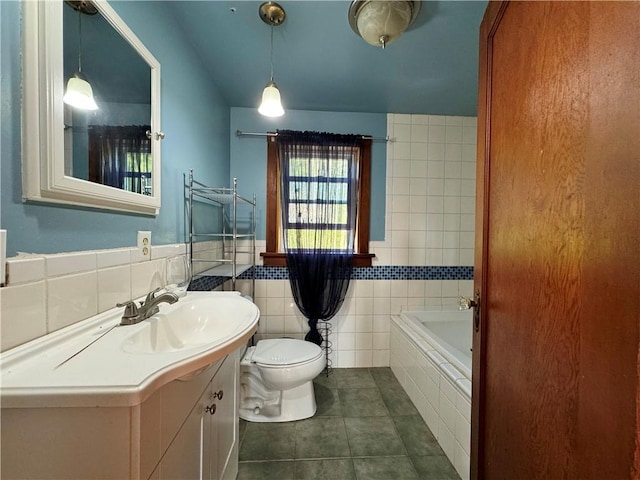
<point x="276" y="380"/>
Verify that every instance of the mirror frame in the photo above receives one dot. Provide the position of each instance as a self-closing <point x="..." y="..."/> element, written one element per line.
<point x="43" y="169"/>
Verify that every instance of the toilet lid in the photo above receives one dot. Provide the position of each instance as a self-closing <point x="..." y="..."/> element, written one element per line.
<point x="285" y="351"/>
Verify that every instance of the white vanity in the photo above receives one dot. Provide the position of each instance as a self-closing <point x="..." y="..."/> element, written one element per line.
<point x="153" y="400"/>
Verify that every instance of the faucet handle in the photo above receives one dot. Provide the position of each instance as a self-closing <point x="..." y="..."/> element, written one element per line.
<point x="130" y="309"/>
<point x="151" y="295"/>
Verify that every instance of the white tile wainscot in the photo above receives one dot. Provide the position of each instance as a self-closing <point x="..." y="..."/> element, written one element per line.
<point x="46" y="292"/>
<point x="441" y="394"/>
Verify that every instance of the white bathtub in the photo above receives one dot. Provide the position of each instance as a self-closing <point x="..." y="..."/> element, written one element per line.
<point x="446" y="329"/>
<point x="431" y="357"/>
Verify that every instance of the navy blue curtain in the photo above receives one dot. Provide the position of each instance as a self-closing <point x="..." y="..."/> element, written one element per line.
<point x="319" y="191"/>
<point x="119" y="155"/>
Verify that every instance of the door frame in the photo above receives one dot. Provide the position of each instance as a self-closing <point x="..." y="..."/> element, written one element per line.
<point x="493" y="14"/>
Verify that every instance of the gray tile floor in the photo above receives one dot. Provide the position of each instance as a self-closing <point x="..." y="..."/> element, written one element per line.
<point x="365" y="428"/>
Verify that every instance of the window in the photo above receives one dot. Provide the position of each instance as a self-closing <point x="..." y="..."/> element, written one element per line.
<point x="309" y="208"/>
<point x="301" y="183"/>
<point x="137" y="176"/>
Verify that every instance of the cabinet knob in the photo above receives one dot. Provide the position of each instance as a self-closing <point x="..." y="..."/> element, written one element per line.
<point x="217" y="395"/>
<point x="211" y="409"/>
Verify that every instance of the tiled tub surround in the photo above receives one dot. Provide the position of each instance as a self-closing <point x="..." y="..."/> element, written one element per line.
<point x="440" y="392"/>
<point x="430" y="206"/>
<point x="47" y="292"/>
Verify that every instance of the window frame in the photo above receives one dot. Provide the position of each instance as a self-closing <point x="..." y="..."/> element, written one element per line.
<point x="272" y="256"/>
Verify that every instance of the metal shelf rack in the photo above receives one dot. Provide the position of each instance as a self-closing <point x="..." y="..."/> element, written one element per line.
<point x="230" y="203"/>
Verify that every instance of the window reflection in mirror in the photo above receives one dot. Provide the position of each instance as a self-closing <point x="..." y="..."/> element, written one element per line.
<point x="110" y="145"/>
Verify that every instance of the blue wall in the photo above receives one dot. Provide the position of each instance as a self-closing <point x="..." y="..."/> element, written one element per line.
<point x="249" y="154"/>
<point x="195" y="119"/>
<point x="200" y="134"/>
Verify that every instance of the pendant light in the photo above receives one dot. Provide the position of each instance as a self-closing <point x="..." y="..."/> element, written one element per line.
<point x="79" y="93"/>
<point x="380" y="22"/>
<point x="271" y="106"/>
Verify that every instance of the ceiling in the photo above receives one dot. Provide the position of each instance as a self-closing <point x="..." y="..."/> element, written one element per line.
<point x="321" y="64"/>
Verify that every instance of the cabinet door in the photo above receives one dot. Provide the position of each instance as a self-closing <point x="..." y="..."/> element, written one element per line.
<point x="206" y="447"/>
<point x="223" y="424"/>
<point x="184" y="459"/>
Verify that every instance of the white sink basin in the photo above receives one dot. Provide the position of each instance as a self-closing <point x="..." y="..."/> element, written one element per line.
<point x="98" y="362"/>
<point x="192" y="322"/>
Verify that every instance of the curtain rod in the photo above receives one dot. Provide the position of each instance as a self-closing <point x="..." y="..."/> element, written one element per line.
<point x="240" y="133"/>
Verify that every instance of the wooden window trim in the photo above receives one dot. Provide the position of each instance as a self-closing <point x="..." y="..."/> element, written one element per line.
<point x="272" y="257"/>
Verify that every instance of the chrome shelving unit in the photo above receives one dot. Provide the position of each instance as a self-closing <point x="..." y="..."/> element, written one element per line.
<point x="231" y="204"/>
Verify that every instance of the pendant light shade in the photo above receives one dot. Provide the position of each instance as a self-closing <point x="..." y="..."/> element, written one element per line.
<point x="271" y="106"/>
<point x="380" y="22"/>
<point x="79" y="93"/>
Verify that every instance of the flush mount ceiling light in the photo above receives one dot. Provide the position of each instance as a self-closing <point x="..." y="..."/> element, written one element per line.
<point x="380" y="22"/>
<point x="273" y="15"/>
<point x="79" y="93"/>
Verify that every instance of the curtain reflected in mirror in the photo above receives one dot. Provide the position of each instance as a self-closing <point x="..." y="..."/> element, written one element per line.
<point x="109" y="145"/>
<point x="120" y="156"/>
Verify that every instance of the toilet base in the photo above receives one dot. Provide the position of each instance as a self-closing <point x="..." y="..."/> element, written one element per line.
<point x="258" y="405"/>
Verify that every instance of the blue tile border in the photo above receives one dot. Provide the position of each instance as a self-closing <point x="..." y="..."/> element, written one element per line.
<point x="206" y="284"/>
<point x="413" y="273"/>
<point x="386" y="272"/>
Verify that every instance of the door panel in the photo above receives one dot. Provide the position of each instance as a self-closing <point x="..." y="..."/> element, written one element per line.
<point x="558" y="256"/>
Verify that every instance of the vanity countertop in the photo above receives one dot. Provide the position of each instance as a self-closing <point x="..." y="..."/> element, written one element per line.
<point x="97" y="362"/>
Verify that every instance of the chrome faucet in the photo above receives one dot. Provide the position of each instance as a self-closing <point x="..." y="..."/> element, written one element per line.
<point x="135" y="314"/>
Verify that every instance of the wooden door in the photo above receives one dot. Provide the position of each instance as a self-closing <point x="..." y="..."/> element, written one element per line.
<point x="555" y="360"/>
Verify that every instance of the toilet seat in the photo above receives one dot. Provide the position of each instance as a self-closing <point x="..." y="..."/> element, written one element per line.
<point x="284" y="352"/>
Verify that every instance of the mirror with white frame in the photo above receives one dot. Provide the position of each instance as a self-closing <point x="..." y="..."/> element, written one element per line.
<point x="64" y="159"/>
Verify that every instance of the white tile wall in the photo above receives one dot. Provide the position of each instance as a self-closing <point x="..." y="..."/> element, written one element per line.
<point x="205" y="254"/>
<point x="71" y="298"/>
<point x="429" y="221"/>
<point x="66" y="263"/>
<point x="23" y="313"/>
<point x="114" y="284"/>
<point x="25" y="269"/>
<point x="360" y="330"/>
<point x="430" y="202"/>
<point x="47" y="292"/>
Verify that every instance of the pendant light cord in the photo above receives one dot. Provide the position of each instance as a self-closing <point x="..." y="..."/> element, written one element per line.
<point x="271" y="54"/>
<point x="79" y="41"/>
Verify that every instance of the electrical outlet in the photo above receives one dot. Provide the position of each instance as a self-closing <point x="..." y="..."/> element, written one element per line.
<point x="144" y="244"/>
